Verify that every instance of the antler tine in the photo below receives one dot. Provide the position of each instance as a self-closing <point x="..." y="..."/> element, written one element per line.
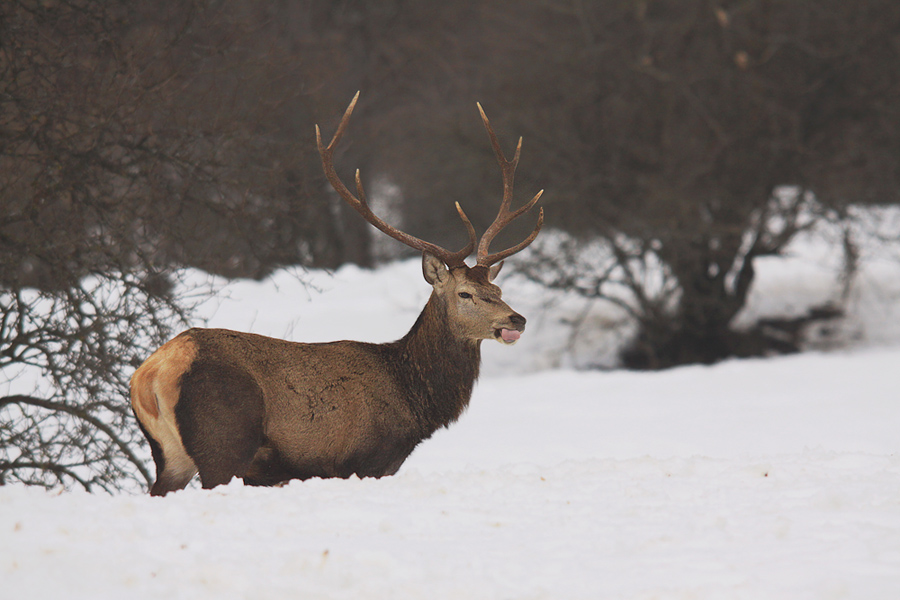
<point x="504" y="215"/>
<point x="361" y="205"/>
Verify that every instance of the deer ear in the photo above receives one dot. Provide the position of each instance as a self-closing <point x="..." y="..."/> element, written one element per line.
<point x="492" y="273"/>
<point x="433" y="269"/>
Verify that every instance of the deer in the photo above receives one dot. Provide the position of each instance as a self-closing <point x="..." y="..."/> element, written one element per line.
<point x="229" y="404"/>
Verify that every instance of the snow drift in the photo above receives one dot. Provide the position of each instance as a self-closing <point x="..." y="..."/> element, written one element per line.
<point x="775" y="478"/>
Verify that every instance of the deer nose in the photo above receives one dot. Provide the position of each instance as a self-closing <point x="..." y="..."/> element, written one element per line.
<point x="518" y="321"/>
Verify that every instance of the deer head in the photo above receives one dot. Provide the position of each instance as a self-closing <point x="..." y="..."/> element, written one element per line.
<point x="471" y="300"/>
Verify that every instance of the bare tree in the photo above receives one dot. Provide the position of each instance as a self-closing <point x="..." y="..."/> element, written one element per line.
<point x="681" y="125"/>
<point x="79" y="346"/>
<point x="129" y="147"/>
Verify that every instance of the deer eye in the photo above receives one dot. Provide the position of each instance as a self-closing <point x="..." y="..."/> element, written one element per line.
<point x="465" y="295"/>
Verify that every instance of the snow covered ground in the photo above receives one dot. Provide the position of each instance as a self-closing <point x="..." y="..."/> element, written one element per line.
<point x="776" y="478"/>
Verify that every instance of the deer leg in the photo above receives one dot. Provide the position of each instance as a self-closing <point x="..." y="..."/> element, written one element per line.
<point x="170" y="481"/>
<point x="267" y="468"/>
<point x="171" y="475"/>
<point x="222" y="423"/>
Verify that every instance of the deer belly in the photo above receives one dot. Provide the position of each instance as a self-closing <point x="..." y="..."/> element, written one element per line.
<point x="336" y="441"/>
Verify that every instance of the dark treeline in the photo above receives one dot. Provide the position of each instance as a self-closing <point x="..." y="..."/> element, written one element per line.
<point x="193" y="121"/>
<point x="140" y="136"/>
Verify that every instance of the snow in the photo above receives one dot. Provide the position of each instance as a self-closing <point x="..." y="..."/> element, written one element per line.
<point x="812" y="525"/>
<point x="771" y="478"/>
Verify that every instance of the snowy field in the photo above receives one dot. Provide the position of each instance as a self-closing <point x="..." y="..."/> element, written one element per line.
<point x="762" y="479"/>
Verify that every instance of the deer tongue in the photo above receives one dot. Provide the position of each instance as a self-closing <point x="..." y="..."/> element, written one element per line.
<point x="510" y="335"/>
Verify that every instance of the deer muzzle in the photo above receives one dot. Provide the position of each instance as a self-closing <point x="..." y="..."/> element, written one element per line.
<point x="510" y="332"/>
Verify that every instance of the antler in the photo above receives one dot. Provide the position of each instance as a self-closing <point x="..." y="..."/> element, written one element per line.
<point x="505" y="216"/>
<point x="451" y="259"/>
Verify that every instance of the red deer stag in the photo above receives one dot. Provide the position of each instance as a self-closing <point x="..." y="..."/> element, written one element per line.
<point x="229" y="404"/>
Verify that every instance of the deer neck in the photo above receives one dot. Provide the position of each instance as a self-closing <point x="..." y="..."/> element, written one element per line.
<point x="439" y="369"/>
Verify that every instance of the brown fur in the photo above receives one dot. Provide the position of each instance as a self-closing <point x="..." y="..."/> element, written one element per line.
<point x="227" y="403"/>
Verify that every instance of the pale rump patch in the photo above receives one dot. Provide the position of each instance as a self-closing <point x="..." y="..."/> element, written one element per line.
<point x="155" y="389"/>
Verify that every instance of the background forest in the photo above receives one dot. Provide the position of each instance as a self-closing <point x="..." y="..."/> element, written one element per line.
<point x="686" y="137"/>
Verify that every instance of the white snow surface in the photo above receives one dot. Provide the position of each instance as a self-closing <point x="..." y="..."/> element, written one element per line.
<point x="771" y="478"/>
